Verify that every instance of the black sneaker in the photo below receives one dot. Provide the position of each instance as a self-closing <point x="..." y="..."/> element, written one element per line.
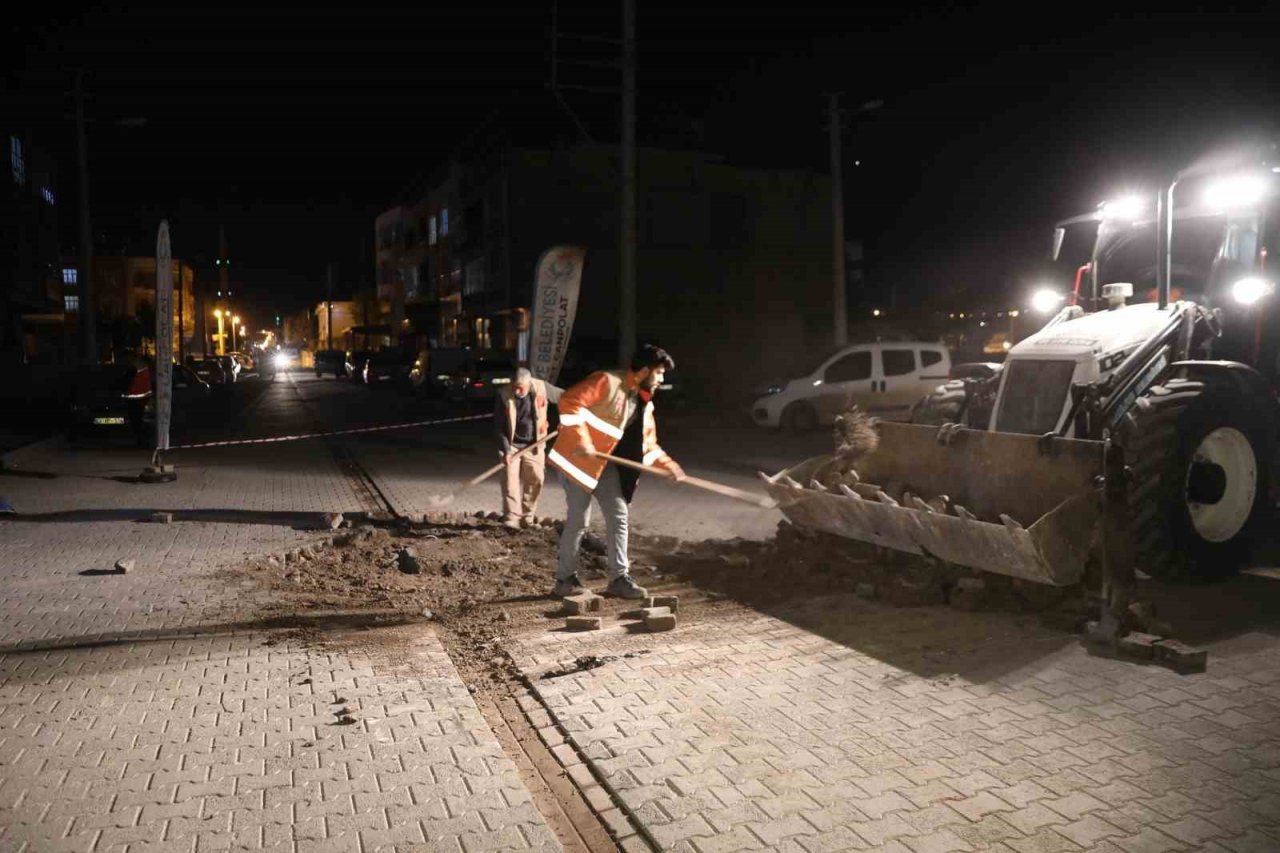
<point x="567" y="587"/>
<point x="624" y="587"/>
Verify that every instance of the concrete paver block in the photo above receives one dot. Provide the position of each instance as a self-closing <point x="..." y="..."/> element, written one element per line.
<point x="583" y="623"/>
<point x="660" y="622"/>
<point x="575" y="605"/>
<point x="1182" y="657"/>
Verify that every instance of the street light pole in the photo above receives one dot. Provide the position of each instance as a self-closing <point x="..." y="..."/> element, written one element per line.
<point x="839" y="305"/>
<point x="88" y="316"/>
<point x="235" y="321"/>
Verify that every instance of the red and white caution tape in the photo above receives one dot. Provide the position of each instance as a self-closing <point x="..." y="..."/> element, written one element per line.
<point x="280" y="438"/>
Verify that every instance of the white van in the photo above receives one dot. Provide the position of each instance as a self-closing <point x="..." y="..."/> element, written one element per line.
<point x="883" y="379"/>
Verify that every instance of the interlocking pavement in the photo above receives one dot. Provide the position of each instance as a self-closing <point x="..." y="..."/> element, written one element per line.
<point x="846" y="724"/>
<point x="153" y="711"/>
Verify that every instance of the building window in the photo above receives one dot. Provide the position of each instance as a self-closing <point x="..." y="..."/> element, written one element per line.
<point x="47" y="195"/>
<point x="71" y="303"/>
<point x="69" y="275"/>
<point x="16" y="159"/>
<point x="474" y="282"/>
<point x="444" y="222"/>
<point x="431" y="231"/>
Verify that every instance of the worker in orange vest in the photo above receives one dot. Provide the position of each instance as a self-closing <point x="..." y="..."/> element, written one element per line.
<point x="611" y="411"/>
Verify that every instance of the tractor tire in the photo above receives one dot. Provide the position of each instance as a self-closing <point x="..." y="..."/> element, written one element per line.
<point x="1199" y="457"/>
<point x="799" y="417"/>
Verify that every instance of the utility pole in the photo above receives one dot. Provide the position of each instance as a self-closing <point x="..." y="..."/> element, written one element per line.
<point x="627" y="249"/>
<point x="328" y="304"/>
<point x="839" y="308"/>
<point x="182" y="341"/>
<point x="88" y="316"/>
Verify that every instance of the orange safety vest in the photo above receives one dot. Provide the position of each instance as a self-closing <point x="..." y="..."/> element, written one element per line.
<point x="539" y="390"/>
<point x="594" y="412"/>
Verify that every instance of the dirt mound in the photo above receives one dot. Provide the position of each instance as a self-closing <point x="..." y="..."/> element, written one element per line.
<point x="479" y="583"/>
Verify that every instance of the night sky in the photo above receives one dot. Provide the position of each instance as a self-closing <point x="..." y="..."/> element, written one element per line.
<point x="294" y="126"/>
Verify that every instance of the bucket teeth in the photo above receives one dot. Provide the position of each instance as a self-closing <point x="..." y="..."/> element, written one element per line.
<point x="849" y="493"/>
<point x="964" y="513"/>
<point x="885" y="498"/>
<point x="787" y="481"/>
<point x="917" y="503"/>
<point x="1010" y="523"/>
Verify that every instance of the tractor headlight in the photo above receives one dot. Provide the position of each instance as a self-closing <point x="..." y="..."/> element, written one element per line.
<point x="1249" y="290"/>
<point x="1046" y="300"/>
<point x="281" y="360"/>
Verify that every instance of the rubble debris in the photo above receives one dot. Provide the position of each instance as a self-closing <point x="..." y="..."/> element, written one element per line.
<point x="124" y="566"/>
<point x="586" y="663"/>
<point x="968" y="594"/>
<point x="407" y="561"/>
<point x="583" y="623"/>
<point x="669" y="601"/>
<point x="161" y="518"/>
<point x="332" y="520"/>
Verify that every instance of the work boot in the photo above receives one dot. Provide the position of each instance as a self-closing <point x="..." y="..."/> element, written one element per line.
<point x="528" y="521"/>
<point x="624" y="587"/>
<point x="512" y="522"/>
<point x="567" y="587"/>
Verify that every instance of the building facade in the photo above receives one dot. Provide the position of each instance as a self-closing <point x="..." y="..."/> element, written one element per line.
<point x="32" y="328"/>
<point x="733" y="270"/>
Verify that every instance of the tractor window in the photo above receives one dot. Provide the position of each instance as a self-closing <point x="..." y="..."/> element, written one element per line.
<point x="851" y="368"/>
<point x="898" y="362"/>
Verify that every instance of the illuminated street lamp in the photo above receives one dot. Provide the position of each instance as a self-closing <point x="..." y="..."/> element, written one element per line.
<point x="235" y="321"/>
<point x="222" y="350"/>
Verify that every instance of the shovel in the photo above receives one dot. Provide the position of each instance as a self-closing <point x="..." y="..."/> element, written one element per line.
<point x="438" y="501"/>
<point x="698" y="482"/>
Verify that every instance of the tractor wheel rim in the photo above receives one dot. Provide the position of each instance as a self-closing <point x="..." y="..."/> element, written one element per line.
<point x="1222" y="519"/>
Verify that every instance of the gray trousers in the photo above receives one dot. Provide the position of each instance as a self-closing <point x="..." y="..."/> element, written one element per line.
<point x="578" y="515"/>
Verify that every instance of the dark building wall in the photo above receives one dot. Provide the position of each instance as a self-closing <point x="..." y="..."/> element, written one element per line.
<point x="733" y="270"/>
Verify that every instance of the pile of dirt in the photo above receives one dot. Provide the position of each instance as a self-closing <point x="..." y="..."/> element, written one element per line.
<point x="479" y="583"/>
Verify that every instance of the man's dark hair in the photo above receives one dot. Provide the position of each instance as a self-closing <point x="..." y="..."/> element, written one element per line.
<point x="650" y="356"/>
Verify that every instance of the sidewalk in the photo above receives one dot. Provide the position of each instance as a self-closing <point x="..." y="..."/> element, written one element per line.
<point x="143" y="712"/>
<point x="843" y="724"/>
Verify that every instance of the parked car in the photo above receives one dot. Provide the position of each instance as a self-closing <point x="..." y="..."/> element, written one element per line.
<point x="331" y="361"/>
<point x="118" y="398"/>
<point x="435" y="370"/>
<point x="231" y="366"/>
<point x="479" y="381"/>
<point x="884" y="379"/>
<point x="387" y="366"/>
<point x="975" y="370"/>
<point x="966" y="398"/>
<point x="211" y="370"/>
<point x="354" y="362"/>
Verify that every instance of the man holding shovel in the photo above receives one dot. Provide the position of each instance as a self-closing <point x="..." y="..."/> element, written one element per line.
<point x="609" y="412"/>
<point x="520" y="418"/>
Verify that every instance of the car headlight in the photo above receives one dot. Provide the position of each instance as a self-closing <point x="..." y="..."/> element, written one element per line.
<point x="281" y="360"/>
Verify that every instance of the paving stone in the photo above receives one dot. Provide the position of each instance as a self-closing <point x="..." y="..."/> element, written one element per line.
<point x="583" y="623"/>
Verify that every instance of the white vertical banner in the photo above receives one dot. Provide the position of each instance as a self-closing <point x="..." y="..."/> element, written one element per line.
<point x="555" y="303"/>
<point x="164" y="336"/>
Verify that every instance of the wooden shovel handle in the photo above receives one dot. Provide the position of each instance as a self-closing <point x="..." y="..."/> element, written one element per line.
<point x="696" y="482"/>
<point x="522" y="451"/>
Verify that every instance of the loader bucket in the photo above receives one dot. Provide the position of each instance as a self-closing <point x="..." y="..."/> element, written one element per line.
<point x="1017" y="505"/>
